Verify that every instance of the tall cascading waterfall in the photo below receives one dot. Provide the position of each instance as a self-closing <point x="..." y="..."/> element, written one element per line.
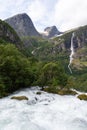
<point x="72" y="52"/>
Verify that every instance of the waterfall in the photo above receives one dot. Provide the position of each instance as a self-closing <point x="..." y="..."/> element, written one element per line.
<point x="72" y="52"/>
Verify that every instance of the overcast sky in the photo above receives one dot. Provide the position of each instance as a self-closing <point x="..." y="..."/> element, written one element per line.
<point x="65" y="14"/>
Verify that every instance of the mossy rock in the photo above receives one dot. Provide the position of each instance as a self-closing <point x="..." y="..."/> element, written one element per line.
<point x="59" y="91"/>
<point x="82" y="97"/>
<point x="52" y="89"/>
<point x="38" y="93"/>
<point x="67" y="92"/>
<point x="20" y="98"/>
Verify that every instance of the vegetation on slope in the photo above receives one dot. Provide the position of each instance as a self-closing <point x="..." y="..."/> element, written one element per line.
<point x="7" y="34"/>
<point x="46" y="66"/>
<point x="17" y="71"/>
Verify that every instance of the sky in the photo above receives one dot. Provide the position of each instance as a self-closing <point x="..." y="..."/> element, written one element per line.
<point x="64" y="14"/>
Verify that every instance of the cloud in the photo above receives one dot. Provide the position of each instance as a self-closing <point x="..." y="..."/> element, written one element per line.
<point x="41" y="12"/>
<point x="65" y="14"/>
<point x="11" y="7"/>
<point x="70" y="14"/>
<point x="36" y="10"/>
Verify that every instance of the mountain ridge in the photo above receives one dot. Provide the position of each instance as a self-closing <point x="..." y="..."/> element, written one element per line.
<point x="49" y="63"/>
<point x="23" y="25"/>
<point x="50" y="32"/>
<point x="52" y="49"/>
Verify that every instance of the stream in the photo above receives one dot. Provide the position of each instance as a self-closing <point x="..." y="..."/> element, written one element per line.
<point x="42" y="112"/>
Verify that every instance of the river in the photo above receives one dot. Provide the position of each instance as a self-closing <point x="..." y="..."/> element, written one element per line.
<point x="42" y="112"/>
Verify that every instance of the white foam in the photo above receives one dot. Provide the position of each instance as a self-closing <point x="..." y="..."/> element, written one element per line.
<point x="49" y="112"/>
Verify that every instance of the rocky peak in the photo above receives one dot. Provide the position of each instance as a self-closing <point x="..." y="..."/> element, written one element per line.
<point x="51" y="31"/>
<point x="23" y="25"/>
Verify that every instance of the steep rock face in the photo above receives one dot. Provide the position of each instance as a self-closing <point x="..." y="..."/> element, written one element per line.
<point x="7" y="34"/>
<point x="59" y="47"/>
<point x="23" y="25"/>
<point x="80" y="38"/>
<point x="50" y="32"/>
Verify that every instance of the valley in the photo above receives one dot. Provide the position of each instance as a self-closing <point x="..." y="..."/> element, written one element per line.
<point x="43" y="76"/>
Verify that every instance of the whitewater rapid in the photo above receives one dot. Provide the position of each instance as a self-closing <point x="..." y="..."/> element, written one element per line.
<point x="43" y="112"/>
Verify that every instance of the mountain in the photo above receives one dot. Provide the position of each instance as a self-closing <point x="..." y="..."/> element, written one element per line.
<point x="58" y="48"/>
<point x="7" y="34"/>
<point x="23" y="25"/>
<point x="80" y="46"/>
<point x="55" y="46"/>
<point x="50" y="32"/>
<point x="45" y="58"/>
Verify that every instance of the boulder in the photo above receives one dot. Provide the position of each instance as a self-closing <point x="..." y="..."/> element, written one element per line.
<point x="57" y="90"/>
<point x="82" y="97"/>
<point x="67" y="92"/>
<point x="20" y="98"/>
<point x="38" y="93"/>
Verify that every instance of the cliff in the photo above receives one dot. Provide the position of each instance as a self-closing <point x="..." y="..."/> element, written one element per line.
<point x="7" y="34"/>
<point x="23" y="25"/>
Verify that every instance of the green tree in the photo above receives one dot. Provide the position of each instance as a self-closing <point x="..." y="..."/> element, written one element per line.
<point x="15" y="68"/>
<point x="53" y="74"/>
